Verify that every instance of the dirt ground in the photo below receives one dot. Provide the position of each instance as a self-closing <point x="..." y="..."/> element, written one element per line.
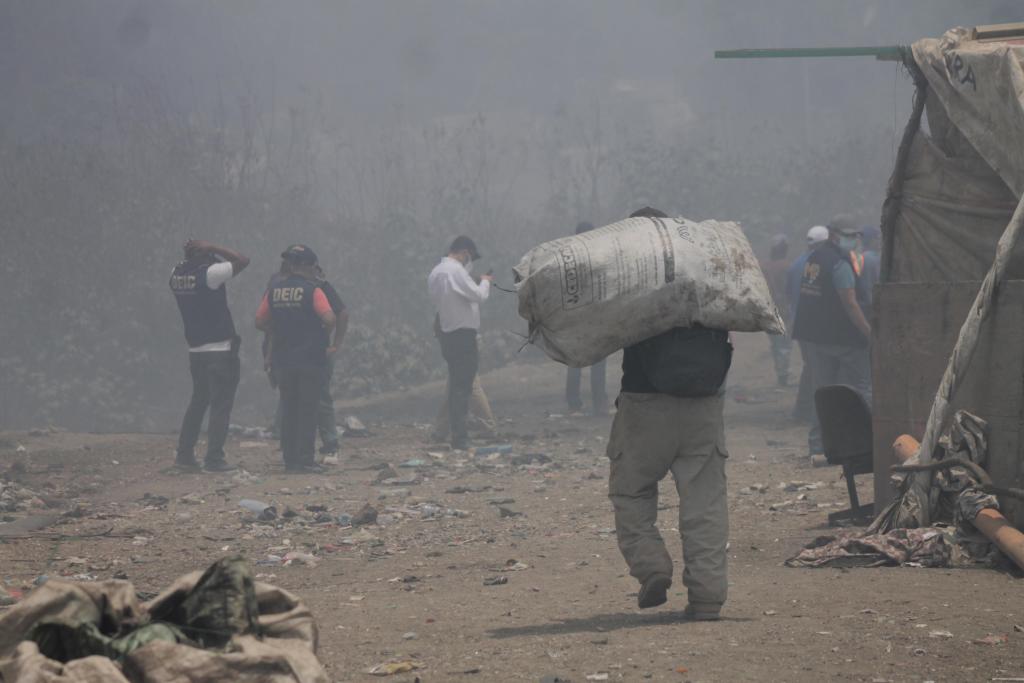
<point x="412" y="586"/>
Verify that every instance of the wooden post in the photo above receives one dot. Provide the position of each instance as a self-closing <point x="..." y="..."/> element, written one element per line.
<point x="960" y="360"/>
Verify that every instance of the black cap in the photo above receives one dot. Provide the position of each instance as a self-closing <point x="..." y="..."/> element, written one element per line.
<point x="462" y="242"/>
<point x="300" y="255"/>
<point x="648" y="212"/>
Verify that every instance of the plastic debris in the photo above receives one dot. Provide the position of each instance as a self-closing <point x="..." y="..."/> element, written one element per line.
<point x="354" y="427"/>
<point x="392" y="668"/>
<point x="263" y="512"/>
<point x="501" y="449"/>
<point x="366" y="515"/>
<point x="496" y="581"/>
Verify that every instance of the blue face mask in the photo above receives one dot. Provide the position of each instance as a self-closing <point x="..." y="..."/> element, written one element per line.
<point x="848" y="243"/>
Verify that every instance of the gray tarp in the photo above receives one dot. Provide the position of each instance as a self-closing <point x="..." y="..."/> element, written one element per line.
<point x="963" y="175"/>
<point x="981" y="86"/>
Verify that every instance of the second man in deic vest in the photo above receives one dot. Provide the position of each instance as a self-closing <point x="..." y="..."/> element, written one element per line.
<point x="299" y="317"/>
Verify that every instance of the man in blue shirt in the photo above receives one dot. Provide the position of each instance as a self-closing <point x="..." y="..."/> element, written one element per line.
<point x="830" y="323"/>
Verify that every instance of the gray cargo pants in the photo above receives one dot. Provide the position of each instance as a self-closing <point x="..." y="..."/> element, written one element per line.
<point x="652" y="435"/>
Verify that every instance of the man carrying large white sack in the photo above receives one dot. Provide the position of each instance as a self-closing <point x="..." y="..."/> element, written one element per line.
<point x="670" y="419"/>
<point x="667" y="290"/>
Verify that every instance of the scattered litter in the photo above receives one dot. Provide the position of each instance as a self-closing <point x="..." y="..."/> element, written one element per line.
<point x="529" y="459"/>
<point x="354" y="427"/>
<point x="415" y="462"/>
<point x="991" y="639"/>
<point x="392" y="668"/>
<point x="366" y="515"/>
<point x="940" y="634"/>
<point x="250" y="432"/>
<point x="263" y="512"/>
<point x="754" y="488"/>
<point x="411" y="635"/>
<point x="300" y="558"/>
<point x="496" y="581"/>
<point x="513" y="566"/>
<point x="502" y="449"/>
<point x="469" y="489"/>
<point x="508" y="512"/>
<point x="191" y="499"/>
<point x="794" y="486"/>
<point x="600" y="676"/>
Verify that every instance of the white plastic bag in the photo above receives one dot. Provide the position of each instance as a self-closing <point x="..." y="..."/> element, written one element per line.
<point x="591" y="294"/>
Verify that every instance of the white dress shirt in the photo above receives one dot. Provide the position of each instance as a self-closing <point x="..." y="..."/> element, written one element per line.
<point x="455" y="296"/>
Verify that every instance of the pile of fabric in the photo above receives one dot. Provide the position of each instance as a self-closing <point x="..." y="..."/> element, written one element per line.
<point x="896" y="537"/>
<point x="208" y="627"/>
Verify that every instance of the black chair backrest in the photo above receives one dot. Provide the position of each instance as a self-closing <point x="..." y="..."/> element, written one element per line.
<point x="845" y="420"/>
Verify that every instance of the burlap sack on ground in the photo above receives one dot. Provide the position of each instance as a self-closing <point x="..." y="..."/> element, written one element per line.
<point x="284" y="651"/>
<point x="589" y="295"/>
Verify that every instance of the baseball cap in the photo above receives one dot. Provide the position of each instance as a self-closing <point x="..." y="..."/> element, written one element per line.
<point x="817" y="234"/>
<point x="844" y="224"/>
<point x="462" y="242"/>
<point x="300" y="255"/>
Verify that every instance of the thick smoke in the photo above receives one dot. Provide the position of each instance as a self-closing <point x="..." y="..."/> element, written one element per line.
<point x="375" y="132"/>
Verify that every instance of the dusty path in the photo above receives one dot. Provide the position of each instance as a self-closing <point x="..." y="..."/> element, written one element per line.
<point x="413" y="588"/>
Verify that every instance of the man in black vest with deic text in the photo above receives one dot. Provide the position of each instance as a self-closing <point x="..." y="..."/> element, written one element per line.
<point x="830" y="323"/>
<point x="198" y="284"/>
<point x="298" y="315"/>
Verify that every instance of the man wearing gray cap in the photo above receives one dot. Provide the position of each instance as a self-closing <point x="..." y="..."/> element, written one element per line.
<point x="830" y="324"/>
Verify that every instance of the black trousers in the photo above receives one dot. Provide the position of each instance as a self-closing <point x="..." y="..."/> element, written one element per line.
<point x="462" y="356"/>
<point x="214" y="381"/>
<point x="300" y="400"/>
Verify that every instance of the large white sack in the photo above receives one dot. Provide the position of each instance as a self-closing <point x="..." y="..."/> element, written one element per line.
<point x="592" y="294"/>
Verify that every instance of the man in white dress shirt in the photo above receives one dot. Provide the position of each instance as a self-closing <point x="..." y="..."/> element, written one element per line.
<point x="457" y="299"/>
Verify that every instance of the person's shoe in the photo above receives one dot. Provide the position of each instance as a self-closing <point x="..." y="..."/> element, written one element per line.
<point x="186" y="465"/>
<point x="304" y="469"/>
<point x="329" y="449"/>
<point x="219" y="466"/>
<point x="703" y="611"/>
<point x="654" y="591"/>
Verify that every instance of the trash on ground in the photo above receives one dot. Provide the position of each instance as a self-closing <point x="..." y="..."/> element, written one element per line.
<point x="354" y="427"/>
<point x="496" y="581"/>
<point x="263" y="512"/>
<point x="927" y="547"/>
<point x="392" y="668"/>
<point x="366" y="515"/>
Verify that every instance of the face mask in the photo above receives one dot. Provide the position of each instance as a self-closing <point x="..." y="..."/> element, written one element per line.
<point x="848" y="243"/>
<point x="468" y="265"/>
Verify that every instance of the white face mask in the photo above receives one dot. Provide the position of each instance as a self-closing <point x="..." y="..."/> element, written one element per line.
<point x="468" y="265"/>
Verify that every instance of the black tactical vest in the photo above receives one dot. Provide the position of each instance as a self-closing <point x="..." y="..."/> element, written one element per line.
<point x="203" y="310"/>
<point x="298" y="336"/>
<point x="821" y="317"/>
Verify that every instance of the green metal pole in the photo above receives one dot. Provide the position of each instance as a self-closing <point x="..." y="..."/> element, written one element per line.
<point x="893" y="53"/>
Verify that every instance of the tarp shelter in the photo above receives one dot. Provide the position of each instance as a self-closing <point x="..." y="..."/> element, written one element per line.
<point x="958" y="177"/>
